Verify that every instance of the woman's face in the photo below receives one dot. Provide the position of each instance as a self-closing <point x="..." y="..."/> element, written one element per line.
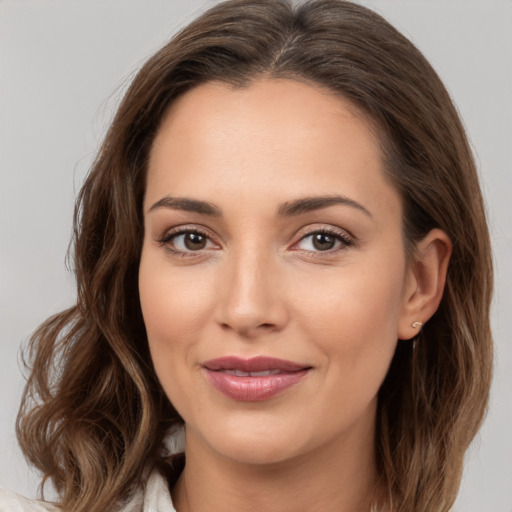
<point x="273" y="275"/>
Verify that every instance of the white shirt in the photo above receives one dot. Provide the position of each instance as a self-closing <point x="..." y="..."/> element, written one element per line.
<point x="155" y="497"/>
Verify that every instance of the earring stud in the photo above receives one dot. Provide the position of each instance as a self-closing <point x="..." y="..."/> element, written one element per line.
<point x="415" y="325"/>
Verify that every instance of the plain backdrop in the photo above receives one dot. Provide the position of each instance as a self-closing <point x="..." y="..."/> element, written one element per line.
<point x="63" y="67"/>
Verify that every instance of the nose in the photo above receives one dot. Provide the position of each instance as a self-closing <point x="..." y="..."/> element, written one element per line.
<point x="251" y="301"/>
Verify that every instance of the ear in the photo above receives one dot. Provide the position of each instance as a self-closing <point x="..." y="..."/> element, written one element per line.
<point x="424" y="282"/>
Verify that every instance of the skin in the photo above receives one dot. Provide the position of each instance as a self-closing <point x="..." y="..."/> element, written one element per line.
<point x="259" y="286"/>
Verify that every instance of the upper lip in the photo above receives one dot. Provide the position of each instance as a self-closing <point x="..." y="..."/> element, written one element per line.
<point x="253" y="364"/>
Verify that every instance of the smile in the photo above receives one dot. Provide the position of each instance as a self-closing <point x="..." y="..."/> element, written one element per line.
<point x="253" y="380"/>
<point x="240" y="373"/>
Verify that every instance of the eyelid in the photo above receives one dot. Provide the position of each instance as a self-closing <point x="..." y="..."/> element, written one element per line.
<point x="346" y="238"/>
<point x="165" y="239"/>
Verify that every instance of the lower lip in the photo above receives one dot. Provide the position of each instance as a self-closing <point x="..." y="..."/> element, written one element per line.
<point x="253" y="389"/>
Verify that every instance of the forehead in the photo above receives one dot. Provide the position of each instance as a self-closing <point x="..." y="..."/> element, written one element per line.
<point x="273" y="138"/>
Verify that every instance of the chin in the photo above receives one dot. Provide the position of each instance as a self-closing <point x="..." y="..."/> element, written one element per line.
<point x="253" y="441"/>
<point x="257" y="452"/>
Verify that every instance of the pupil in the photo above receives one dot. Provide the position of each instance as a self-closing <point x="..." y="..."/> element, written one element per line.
<point x="323" y="242"/>
<point x="193" y="241"/>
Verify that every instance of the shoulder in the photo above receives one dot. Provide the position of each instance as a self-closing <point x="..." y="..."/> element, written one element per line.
<point x="12" y="502"/>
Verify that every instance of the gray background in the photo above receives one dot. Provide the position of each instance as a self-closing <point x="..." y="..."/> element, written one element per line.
<point x="63" y="68"/>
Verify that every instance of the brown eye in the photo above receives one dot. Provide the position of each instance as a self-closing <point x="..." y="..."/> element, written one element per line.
<point x="188" y="241"/>
<point x="194" y="241"/>
<point x="323" y="241"/>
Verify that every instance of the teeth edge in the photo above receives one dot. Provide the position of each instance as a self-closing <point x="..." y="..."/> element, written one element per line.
<point x="240" y="373"/>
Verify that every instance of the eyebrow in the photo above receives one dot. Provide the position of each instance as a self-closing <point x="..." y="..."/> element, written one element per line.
<point x="309" y="204"/>
<point x="287" y="209"/>
<point x="188" y="205"/>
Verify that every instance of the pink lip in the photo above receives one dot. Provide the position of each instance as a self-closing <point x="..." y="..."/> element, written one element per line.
<point x="254" y="388"/>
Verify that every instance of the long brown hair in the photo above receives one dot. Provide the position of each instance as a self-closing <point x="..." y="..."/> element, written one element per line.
<point x="94" y="416"/>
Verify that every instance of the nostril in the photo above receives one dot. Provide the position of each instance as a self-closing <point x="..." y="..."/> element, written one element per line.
<point x="247" y="330"/>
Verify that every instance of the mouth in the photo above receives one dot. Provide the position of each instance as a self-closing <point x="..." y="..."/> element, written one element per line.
<point x="255" y="379"/>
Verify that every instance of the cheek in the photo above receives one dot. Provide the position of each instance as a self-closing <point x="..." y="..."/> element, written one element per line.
<point x="354" y="301"/>
<point x="175" y="306"/>
<point x="352" y="317"/>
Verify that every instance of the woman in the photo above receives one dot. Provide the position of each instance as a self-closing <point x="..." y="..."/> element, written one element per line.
<point x="275" y="250"/>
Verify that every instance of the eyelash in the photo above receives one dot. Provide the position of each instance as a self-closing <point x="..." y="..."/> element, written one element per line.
<point x="166" y="240"/>
<point x="344" y="239"/>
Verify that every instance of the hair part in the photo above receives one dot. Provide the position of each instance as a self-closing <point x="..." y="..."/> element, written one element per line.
<point x="94" y="416"/>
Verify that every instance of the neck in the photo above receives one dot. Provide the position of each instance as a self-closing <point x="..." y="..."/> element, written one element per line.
<point x="340" y="476"/>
